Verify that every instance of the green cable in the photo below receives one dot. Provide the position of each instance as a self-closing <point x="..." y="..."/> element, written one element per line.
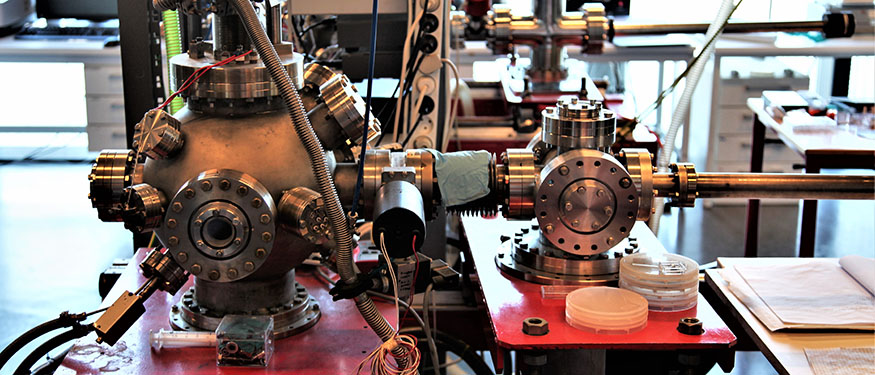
<point x="173" y="44"/>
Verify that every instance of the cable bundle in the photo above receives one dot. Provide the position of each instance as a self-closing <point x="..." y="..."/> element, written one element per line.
<point x="383" y="361"/>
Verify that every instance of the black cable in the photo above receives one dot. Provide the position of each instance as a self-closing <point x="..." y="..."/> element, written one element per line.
<point x="324" y="21"/>
<point x="32" y="334"/>
<point x="41" y="351"/>
<point x="455" y="346"/>
<point x="366" y="126"/>
<point x="412" y="130"/>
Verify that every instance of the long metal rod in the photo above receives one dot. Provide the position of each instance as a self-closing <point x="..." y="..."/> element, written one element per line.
<point x="763" y="185"/>
<point x="733" y="27"/>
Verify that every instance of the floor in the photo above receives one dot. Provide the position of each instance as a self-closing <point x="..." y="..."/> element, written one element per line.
<point x="53" y="246"/>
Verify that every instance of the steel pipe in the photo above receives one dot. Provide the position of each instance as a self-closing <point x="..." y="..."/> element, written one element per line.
<point x="733" y="27"/>
<point x="763" y="185"/>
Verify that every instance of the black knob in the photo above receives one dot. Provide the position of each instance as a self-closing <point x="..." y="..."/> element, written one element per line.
<point x="838" y="25"/>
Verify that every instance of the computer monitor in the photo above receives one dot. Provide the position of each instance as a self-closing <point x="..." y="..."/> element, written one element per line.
<point x="95" y="10"/>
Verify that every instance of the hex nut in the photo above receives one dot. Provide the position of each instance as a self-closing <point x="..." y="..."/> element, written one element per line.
<point x="535" y="326"/>
<point x="690" y="326"/>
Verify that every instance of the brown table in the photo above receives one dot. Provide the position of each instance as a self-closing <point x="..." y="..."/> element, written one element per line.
<point x="821" y="148"/>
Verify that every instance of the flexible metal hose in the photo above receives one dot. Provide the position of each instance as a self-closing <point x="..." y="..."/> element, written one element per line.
<point x="679" y="114"/>
<point x="162" y="5"/>
<point x="304" y="130"/>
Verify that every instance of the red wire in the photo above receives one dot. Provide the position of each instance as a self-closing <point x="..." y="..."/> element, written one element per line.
<point x="198" y="74"/>
<point x="413" y="283"/>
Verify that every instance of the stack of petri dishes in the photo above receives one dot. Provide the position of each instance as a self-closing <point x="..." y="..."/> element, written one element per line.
<point x="606" y="310"/>
<point x="669" y="282"/>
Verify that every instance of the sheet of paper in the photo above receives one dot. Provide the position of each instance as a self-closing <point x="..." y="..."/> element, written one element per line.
<point x="818" y="293"/>
<point x="841" y="361"/>
<point x="749" y="298"/>
<point x="861" y="269"/>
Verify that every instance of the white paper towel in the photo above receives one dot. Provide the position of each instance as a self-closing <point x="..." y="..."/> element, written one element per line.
<point x="861" y="269"/>
<point x="841" y="361"/>
<point x="814" y="293"/>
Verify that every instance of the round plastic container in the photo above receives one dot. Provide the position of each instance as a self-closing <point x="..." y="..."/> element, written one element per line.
<point x="606" y="310"/>
<point x="669" y="282"/>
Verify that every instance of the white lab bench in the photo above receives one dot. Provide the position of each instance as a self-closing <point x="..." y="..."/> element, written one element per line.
<point x="104" y="97"/>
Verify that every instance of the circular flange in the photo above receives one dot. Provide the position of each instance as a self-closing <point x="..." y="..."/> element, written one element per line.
<point x="220" y="226"/>
<point x="290" y="318"/>
<point x="574" y="124"/>
<point x="237" y="80"/>
<point x="592" y="190"/>
<point x="111" y="173"/>
<point x="639" y="163"/>
<point x="513" y="265"/>
<point x="522" y="177"/>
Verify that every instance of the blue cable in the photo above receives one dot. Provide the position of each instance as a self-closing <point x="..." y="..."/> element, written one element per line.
<point x="361" y="175"/>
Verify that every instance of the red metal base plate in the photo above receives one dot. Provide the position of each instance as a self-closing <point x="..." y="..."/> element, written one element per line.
<point x="509" y="301"/>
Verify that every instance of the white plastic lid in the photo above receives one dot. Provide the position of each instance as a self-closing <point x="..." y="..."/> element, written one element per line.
<point x="606" y="310"/>
<point x="659" y="267"/>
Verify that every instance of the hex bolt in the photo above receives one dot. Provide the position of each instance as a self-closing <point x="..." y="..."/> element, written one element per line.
<point x="182" y="257"/>
<point x="176" y="206"/>
<point x="260" y="253"/>
<point x="200" y="243"/>
<point x="625" y="182"/>
<point x="224" y="184"/>
<point x="198" y="222"/>
<point x="220" y="253"/>
<point x="575" y="223"/>
<point x="549" y="228"/>
<point x="569" y="206"/>
<point x="608" y="211"/>
<point x="600" y="193"/>
<point x="248" y="266"/>
<point x="581" y="190"/>
<point x="266" y="236"/>
<point x="171" y="223"/>
<point x="238" y="241"/>
<point x="535" y="326"/>
<point x="563" y="170"/>
<point x="173" y="241"/>
<point x="242" y="190"/>
<point x="690" y="326"/>
<point x="214" y="275"/>
<point x="206" y="186"/>
<point x="265" y="218"/>
<point x="195" y="269"/>
<point x="189" y="193"/>
<point x="596" y="225"/>
<point x="232" y="273"/>
<point x="256" y="202"/>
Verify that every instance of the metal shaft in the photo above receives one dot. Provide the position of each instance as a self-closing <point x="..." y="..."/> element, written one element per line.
<point x="733" y="27"/>
<point x="762" y="185"/>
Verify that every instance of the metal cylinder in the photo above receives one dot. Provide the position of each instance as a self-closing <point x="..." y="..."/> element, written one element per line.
<point x="399" y="218"/>
<point x="229" y="36"/>
<point x="762" y="185"/>
<point x="734" y="27"/>
<point x="276" y="23"/>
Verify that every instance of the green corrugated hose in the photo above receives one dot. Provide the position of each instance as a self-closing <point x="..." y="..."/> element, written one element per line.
<point x="173" y="45"/>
